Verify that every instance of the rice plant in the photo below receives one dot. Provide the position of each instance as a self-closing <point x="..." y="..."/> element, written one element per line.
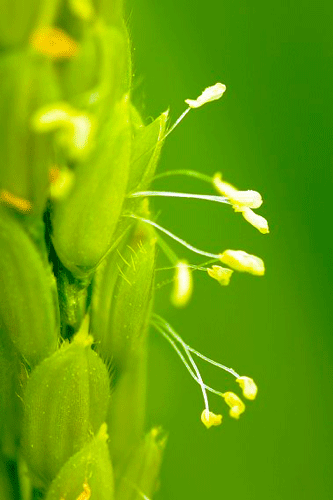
<point x="78" y="258"/>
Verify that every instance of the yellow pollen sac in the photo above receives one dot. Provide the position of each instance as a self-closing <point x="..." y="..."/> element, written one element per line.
<point x="21" y="204"/>
<point x="256" y="220"/>
<point x="54" y="42"/>
<point x="238" y="199"/>
<point x="209" y="419"/>
<point x="209" y="94"/>
<point x="220" y="274"/>
<point x="74" y="128"/>
<point x="243" y="262"/>
<point x="237" y="407"/>
<point x="183" y="285"/>
<point x="248" y="386"/>
<point x="86" y="494"/>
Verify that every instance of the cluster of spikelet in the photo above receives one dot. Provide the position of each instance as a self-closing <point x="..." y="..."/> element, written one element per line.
<point x="77" y="258"/>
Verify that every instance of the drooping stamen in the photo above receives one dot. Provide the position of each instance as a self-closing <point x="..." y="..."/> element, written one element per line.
<point x="174" y="237"/>
<point x="189" y="348"/>
<point x="171" y="194"/>
<point x="168" y="252"/>
<point x="187" y="173"/>
<point x="196" y="375"/>
<point x="209" y="94"/>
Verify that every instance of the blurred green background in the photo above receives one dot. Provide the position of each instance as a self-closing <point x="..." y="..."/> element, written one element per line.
<point x="270" y="132"/>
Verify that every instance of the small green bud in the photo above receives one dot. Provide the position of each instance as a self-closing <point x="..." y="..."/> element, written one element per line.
<point x="139" y="478"/>
<point x="84" y="223"/>
<point x="87" y="475"/>
<point x="28" y="308"/>
<point x="66" y="401"/>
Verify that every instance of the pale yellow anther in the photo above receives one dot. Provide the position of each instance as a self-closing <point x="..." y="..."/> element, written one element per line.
<point x="54" y="43"/>
<point x="237" y="407"/>
<point x="20" y="204"/>
<point x="256" y="220"/>
<point x="243" y="262"/>
<point x="209" y="94"/>
<point x="238" y="199"/>
<point x="220" y="274"/>
<point x="183" y="285"/>
<point x="248" y="386"/>
<point x="209" y="419"/>
<point x="81" y="131"/>
<point x="74" y="128"/>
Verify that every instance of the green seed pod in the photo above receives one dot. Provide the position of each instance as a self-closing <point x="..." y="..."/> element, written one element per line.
<point x="139" y="478"/>
<point x="88" y="475"/>
<point x="27" y="81"/>
<point x="28" y="308"/>
<point x="121" y="304"/>
<point x="83" y="223"/>
<point x="27" y="14"/>
<point x="66" y="401"/>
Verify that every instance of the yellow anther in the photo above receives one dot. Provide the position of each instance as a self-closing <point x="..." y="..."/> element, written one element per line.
<point x="54" y="43"/>
<point x="256" y="220"/>
<point x="208" y="418"/>
<point x="74" y="128"/>
<point x="220" y="274"/>
<point x="81" y="131"/>
<point x="21" y="204"/>
<point x="243" y="262"/>
<point x="86" y="494"/>
<point x="238" y="199"/>
<point x="209" y="94"/>
<point x="237" y="407"/>
<point x="248" y="387"/>
<point x="183" y="285"/>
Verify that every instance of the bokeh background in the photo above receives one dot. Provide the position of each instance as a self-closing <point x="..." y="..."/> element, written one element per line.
<point x="272" y="132"/>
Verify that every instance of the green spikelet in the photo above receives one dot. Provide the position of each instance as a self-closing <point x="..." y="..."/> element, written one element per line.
<point x="28" y="305"/>
<point x="89" y="471"/>
<point x="121" y="307"/>
<point x="139" y="476"/>
<point x="84" y="223"/>
<point x="66" y="401"/>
